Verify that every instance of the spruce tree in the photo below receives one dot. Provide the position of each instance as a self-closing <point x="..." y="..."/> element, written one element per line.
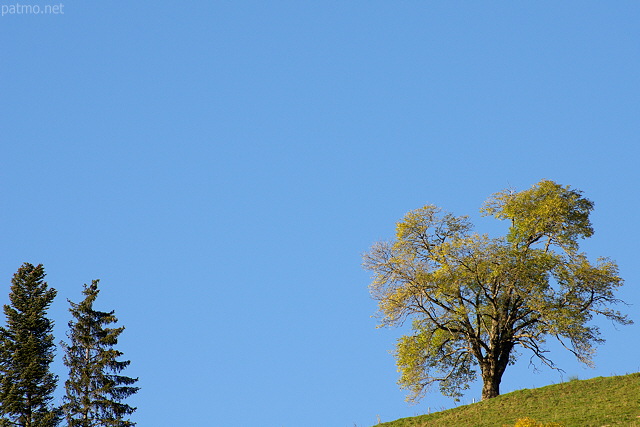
<point x="26" y="350"/>
<point x="95" y="389"/>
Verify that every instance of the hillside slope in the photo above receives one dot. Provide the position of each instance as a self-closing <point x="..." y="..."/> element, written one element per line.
<point x="602" y="401"/>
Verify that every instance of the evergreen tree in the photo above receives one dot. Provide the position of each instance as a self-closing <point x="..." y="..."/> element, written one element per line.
<point x="95" y="389"/>
<point x="26" y="351"/>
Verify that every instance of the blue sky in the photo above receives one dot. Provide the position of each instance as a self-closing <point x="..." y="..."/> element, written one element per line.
<point x="221" y="166"/>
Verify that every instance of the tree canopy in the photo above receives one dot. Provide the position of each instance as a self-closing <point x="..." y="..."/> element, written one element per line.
<point x="26" y="351"/>
<point x="95" y="390"/>
<point x="473" y="300"/>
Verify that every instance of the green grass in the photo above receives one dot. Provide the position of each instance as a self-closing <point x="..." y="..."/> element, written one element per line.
<point x="602" y="401"/>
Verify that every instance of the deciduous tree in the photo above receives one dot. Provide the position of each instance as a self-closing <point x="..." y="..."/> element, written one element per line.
<point x="95" y="390"/>
<point x="473" y="300"/>
<point x="26" y="351"/>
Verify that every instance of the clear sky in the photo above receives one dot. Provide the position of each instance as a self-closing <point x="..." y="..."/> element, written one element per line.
<point x="222" y="165"/>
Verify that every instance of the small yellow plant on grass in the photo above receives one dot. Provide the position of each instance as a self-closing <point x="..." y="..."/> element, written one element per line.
<point x="530" y="422"/>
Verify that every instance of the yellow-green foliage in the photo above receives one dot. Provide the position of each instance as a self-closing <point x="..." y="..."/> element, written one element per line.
<point x="473" y="299"/>
<point x="530" y="422"/>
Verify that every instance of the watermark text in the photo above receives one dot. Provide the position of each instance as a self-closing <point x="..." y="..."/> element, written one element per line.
<point x="31" y="9"/>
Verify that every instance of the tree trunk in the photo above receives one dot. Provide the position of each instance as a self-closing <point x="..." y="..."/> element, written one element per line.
<point x="492" y="370"/>
<point x="28" y="415"/>
<point x="491" y="385"/>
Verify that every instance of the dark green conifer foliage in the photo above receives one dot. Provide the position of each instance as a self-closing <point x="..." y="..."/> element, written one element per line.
<point x="95" y="389"/>
<point x="26" y="350"/>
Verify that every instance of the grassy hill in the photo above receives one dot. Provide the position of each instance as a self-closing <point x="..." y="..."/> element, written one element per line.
<point x="602" y="401"/>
